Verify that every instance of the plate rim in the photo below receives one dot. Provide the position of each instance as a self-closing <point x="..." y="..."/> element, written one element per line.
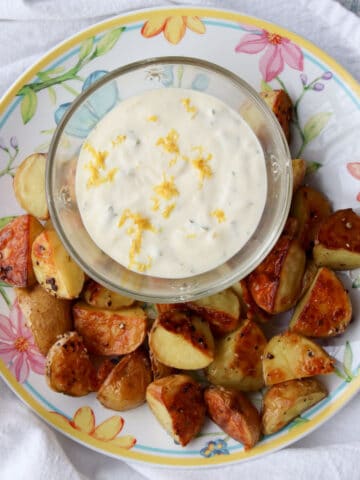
<point x="135" y="455"/>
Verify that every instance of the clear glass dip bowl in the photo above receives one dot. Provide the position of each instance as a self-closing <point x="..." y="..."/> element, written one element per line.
<point x="103" y="95"/>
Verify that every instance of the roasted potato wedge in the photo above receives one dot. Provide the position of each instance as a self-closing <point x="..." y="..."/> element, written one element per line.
<point x="159" y="370"/>
<point x="280" y="104"/>
<point x="286" y="401"/>
<point x="103" y="365"/>
<point x="275" y="284"/>
<point x="178" y="404"/>
<point x="249" y="308"/>
<point x="29" y="185"/>
<point x="54" y="268"/>
<point x="221" y="310"/>
<point x="310" y="207"/>
<point x="299" y="171"/>
<point x="99" y="296"/>
<point x="237" y="363"/>
<point x="182" y="340"/>
<point x="325" y="310"/>
<point x="110" y="332"/>
<point x="125" y="386"/>
<point x="47" y="316"/>
<point x="16" y="239"/>
<point x="310" y="273"/>
<point x="291" y="227"/>
<point x="290" y="355"/>
<point x="337" y="244"/>
<point x="235" y="414"/>
<point x="68" y="366"/>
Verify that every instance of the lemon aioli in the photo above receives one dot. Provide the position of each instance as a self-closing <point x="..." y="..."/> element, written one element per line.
<point x="171" y="183"/>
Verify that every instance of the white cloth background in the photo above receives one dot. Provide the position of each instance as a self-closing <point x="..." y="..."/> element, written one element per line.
<point x="28" y="447"/>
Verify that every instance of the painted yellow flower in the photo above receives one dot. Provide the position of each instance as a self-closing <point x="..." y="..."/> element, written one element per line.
<point x="107" y="431"/>
<point x="174" y="27"/>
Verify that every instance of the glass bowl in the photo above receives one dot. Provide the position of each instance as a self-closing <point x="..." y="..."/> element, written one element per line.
<point x="103" y="95"/>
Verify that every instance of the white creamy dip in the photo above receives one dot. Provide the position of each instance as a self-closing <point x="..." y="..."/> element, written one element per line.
<point x="171" y="183"/>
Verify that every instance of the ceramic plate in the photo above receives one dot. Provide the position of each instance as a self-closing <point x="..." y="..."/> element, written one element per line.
<point x="325" y="132"/>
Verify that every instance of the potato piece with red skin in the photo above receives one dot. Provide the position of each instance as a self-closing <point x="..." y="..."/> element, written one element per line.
<point x="299" y="171"/>
<point x="281" y="105"/>
<point x="125" y="386"/>
<point x="110" y="332"/>
<point x="325" y="310"/>
<point x="276" y="283"/>
<point x="286" y="401"/>
<point x="290" y="355"/>
<point x="237" y="362"/>
<point x="68" y="367"/>
<point x="98" y="296"/>
<point x="249" y="308"/>
<point x="177" y="402"/>
<point x="233" y="412"/>
<point x="310" y="207"/>
<point x="337" y="244"/>
<point x="16" y="239"/>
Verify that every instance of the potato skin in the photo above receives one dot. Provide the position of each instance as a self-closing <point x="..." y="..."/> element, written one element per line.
<point x="181" y="339"/>
<point x="280" y="103"/>
<point x="337" y="244"/>
<point x="125" y="386"/>
<point x="299" y="171"/>
<point x="325" y="310"/>
<point x="29" y="185"/>
<point x="47" y="316"/>
<point x="289" y="355"/>
<point x="249" y="308"/>
<point x="110" y="332"/>
<point x="68" y="366"/>
<point x="237" y="363"/>
<point x="310" y="207"/>
<point x="16" y="239"/>
<point x="235" y="414"/>
<point x="177" y="401"/>
<point x="54" y="269"/>
<point x="285" y="401"/>
<point x="275" y="284"/>
<point x="99" y="296"/>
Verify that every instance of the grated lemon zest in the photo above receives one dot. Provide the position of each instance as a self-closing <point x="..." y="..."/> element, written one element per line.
<point x="118" y="140"/>
<point x="168" y="210"/>
<point x="167" y="188"/>
<point x="169" y="143"/>
<point x="188" y="107"/>
<point x="152" y="118"/>
<point x="219" y="215"/>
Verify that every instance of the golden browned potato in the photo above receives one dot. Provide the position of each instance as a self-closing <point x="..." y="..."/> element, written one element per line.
<point x="299" y="171"/>
<point x="182" y="340"/>
<point x="125" y="386"/>
<point x="237" y="363"/>
<point x="291" y="227"/>
<point x="325" y="310"/>
<point x="285" y="401"/>
<point x="103" y="365"/>
<point x="290" y="355"/>
<point x="221" y="310"/>
<point x="29" y="185"/>
<point x="110" y="332"/>
<point x="178" y="404"/>
<point x="280" y="104"/>
<point x="159" y="370"/>
<point x="54" y="268"/>
<point x="249" y="308"/>
<point x="16" y="239"/>
<point x="310" y="207"/>
<point x="311" y="270"/>
<point x="337" y="243"/>
<point x="47" y="316"/>
<point x="235" y="414"/>
<point x="275" y="284"/>
<point x="99" y="296"/>
<point x="68" y="366"/>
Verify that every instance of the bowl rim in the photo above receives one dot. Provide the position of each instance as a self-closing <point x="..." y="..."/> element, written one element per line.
<point x="219" y="285"/>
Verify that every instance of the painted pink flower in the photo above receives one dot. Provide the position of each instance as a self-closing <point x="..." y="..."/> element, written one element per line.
<point x="17" y="347"/>
<point x="278" y="51"/>
<point x="354" y="170"/>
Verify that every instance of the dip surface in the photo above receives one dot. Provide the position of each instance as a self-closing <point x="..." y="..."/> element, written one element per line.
<point x="171" y="183"/>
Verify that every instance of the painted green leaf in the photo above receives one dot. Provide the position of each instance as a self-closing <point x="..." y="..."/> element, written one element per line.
<point x="265" y="87"/>
<point x="86" y="48"/>
<point x="356" y="282"/>
<point x="180" y="73"/>
<point x="339" y="374"/>
<point x="28" y="105"/>
<point x="298" y="421"/>
<point x="312" y="167"/>
<point x="3" y="284"/>
<point x="107" y="42"/>
<point x="314" y="126"/>
<point x="5" y="220"/>
<point x="5" y="297"/>
<point x="52" y="95"/>
<point x="348" y="359"/>
<point x="55" y="70"/>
